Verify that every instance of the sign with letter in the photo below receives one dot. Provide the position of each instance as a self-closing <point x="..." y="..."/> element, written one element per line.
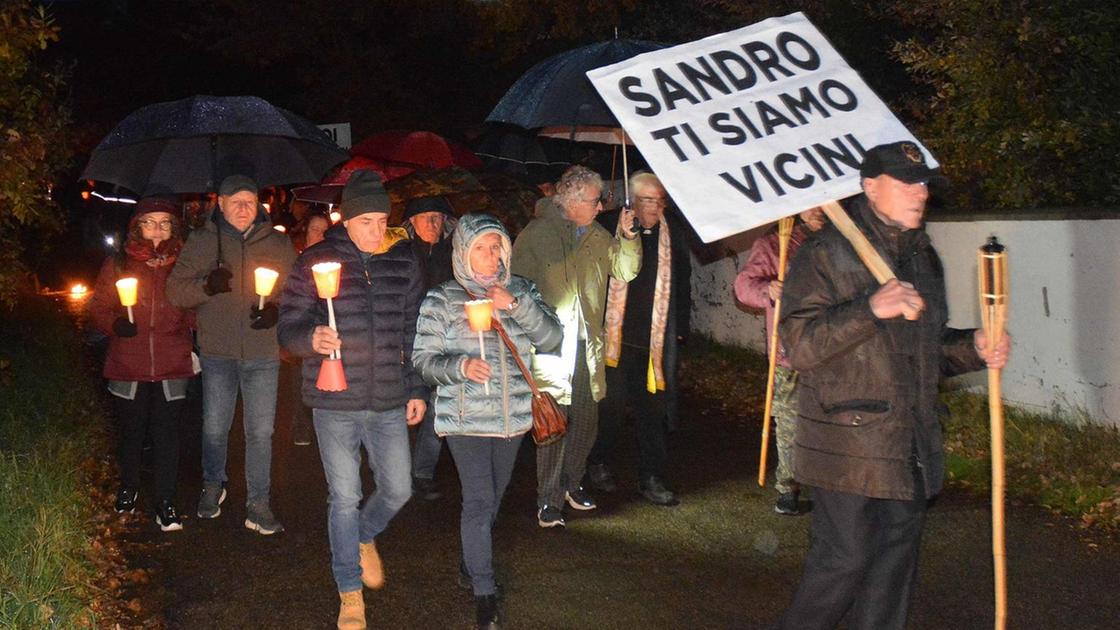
<point x="339" y="132"/>
<point x="749" y="126"/>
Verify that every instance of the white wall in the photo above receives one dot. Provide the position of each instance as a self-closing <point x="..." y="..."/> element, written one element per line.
<point x="1064" y="310"/>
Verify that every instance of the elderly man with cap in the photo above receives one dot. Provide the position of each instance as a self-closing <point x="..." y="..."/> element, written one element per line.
<point x="429" y="221"/>
<point x="214" y="276"/>
<point x="380" y="290"/>
<point x="868" y="437"/>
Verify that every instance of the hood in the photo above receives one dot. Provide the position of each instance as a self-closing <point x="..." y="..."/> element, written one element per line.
<point x="471" y="227"/>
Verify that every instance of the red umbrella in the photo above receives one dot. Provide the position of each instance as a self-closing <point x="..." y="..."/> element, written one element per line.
<point x="418" y="149"/>
<point x="388" y="172"/>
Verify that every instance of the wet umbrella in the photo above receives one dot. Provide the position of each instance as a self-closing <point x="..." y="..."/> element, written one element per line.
<point x="500" y="195"/>
<point x="418" y="149"/>
<point x="189" y="145"/>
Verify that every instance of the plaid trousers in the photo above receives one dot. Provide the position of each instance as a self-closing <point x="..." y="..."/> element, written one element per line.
<point x="560" y="465"/>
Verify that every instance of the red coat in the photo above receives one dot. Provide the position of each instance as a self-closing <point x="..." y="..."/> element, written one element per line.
<point x="752" y="285"/>
<point x="161" y="349"/>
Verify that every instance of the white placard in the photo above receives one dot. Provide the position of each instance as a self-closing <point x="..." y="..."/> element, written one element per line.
<point x="340" y="132"/>
<point x="752" y="125"/>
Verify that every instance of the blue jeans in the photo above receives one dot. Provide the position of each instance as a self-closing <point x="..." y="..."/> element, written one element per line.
<point x="341" y="434"/>
<point x="257" y="379"/>
<point x="425" y="453"/>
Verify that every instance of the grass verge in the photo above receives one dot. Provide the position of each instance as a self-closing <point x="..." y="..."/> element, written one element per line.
<point x="1062" y="463"/>
<point x="49" y="429"/>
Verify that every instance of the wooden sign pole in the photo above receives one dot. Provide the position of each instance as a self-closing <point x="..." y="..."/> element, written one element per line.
<point x="785" y="231"/>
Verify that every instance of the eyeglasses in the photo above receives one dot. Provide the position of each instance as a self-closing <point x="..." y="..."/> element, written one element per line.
<point x="659" y="201"/>
<point x="594" y="201"/>
<point x="149" y="223"/>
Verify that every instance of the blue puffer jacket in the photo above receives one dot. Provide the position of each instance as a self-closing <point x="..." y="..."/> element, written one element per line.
<point x="375" y="311"/>
<point x="444" y="341"/>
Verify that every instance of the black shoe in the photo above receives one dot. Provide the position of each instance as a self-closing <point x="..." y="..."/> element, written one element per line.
<point x="466" y="584"/>
<point x="601" y="479"/>
<point x="654" y="491"/>
<point x="301" y="433"/>
<point x="787" y="504"/>
<point x="126" y="500"/>
<point x="549" y="516"/>
<point x="425" y="489"/>
<point x="580" y="500"/>
<point x="167" y="517"/>
<point x="486" y="612"/>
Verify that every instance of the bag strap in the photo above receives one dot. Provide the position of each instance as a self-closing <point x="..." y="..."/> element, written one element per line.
<point x="512" y="349"/>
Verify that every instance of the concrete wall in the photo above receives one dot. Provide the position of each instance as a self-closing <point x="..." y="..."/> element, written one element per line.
<point x="1064" y="310"/>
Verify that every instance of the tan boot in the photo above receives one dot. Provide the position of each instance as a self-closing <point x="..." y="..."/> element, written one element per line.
<point x="373" y="574"/>
<point x="352" y="611"/>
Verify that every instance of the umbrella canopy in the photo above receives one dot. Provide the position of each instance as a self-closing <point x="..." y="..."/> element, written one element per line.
<point x="418" y="149"/>
<point x="190" y="145"/>
<point x="512" y="144"/>
<point x="386" y="171"/>
<point x="557" y="93"/>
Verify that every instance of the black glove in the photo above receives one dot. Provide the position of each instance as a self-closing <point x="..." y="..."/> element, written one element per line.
<point x="264" y="318"/>
<point x="124" y="328"/>
<point x="217" y="281"/>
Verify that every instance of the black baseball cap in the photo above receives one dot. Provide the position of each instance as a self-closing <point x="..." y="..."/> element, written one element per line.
<point x="903" y="161"/>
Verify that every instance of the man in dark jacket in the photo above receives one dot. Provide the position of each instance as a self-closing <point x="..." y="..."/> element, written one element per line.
<point x="380" y="291"/>
<point x="646" y="321"/>
<point x="429" y="221"/>
<point x="868" y="434"/>
<point x="214" y="276"/>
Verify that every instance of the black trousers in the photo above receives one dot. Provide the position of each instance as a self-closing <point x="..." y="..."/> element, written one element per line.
<point x="863" y="558"/>
<point x="626" y="386"/>
<point x="149" y="413"/>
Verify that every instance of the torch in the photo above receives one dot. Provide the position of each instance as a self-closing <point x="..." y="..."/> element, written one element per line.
<point x="264" y="281"/>
<point x="332" y="378"/>
<point x="992" y="269"/>
<point x="126" y="289"/>
<point x="479" y="313"/>
<point x="785" y="231"/>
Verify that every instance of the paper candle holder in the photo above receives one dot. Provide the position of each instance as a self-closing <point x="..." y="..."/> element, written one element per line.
<point x="479" y="314"/>
<point x="264" y="280"/>
<point x="327" y="276"/>
<point x="126" y="290"/>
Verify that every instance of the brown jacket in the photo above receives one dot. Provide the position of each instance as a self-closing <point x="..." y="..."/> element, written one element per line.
<point x="869" y="421"/>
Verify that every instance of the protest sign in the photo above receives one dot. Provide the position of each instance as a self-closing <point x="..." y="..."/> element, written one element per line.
<point x="749" y="126"/>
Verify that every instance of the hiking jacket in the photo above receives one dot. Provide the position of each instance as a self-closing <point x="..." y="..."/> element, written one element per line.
<point x="444" y="341"/>
<point x="223" y="318"/>
<point x="572" y="277"/>
<point x="375" y="312"/>
<point x="868" y="390"/>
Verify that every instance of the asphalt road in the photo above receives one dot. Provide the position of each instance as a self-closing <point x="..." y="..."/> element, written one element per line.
<point x="722" y="559"/>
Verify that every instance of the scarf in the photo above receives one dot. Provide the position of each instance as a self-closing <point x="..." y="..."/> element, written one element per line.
<point x="164" y="254"/>
<point x="616" y="309"/>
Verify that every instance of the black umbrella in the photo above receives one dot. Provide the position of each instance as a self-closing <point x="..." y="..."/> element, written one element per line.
<point x="190" y="145"/>
<point x="557" y="93"/>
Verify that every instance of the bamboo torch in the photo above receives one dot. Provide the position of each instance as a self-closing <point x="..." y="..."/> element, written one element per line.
<point x="992" y="269"/>
<point x="785" y="231"/>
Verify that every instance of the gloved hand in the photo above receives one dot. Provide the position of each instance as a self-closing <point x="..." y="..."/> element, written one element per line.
<point x="264" y="318"/>
<point x="124" y="328"/>
<point x="217" y="281"/>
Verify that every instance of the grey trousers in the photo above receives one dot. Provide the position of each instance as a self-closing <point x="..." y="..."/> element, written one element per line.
<point x="560" y="465"/>
<point x="485" y="465"/>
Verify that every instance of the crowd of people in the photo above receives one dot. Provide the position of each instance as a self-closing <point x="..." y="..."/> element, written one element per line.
<point x="598" y="305"/>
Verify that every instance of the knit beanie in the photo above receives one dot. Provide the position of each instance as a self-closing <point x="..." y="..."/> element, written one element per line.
<point x="363" y="193"/>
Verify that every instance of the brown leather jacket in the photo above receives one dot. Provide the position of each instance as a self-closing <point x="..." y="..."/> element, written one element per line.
<point x="869" y="411"/>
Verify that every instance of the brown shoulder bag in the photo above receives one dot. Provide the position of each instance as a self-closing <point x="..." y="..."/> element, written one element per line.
<point x="549" y="421"/>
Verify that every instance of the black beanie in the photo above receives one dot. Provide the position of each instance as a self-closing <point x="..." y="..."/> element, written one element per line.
<point x="363" y="193"/>
<point x="420" y="205"/>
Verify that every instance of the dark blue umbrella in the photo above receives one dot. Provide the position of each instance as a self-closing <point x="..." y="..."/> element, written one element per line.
<point x="557" y="93"/>
<point x="190" y="145"/>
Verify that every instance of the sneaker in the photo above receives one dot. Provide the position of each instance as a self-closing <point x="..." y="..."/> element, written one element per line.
<point x="301" y="433"/>
<point x="580" y="500"/>
<point x="167" y="517"/>
<point x="261" y="520"/>
<point x="787" y="504"/>
<point x="126" y="500"/>
<point x="425" y="489"/>
<point x="549" y="516"/>
<point x="212" y="496"/>
<point x="653" y="490"/>
<point x="601" y="479"/>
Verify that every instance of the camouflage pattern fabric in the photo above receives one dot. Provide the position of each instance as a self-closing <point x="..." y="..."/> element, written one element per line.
<point x="784" y="410"/>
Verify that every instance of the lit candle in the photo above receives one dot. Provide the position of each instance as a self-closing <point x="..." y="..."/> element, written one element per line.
<point x="479" y="316"/>
<point x="265" y="280"/>
<point x="327" y="278"/>
<point x="332" y="378"/>
<point x="126" y="289"/>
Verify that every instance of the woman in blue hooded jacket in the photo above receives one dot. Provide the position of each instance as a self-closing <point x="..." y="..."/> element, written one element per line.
<point x="483" y="429"/>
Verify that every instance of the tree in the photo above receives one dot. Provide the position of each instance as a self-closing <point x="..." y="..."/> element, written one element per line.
<point x="1021" y="100"/>
<point x="33" y="123"/>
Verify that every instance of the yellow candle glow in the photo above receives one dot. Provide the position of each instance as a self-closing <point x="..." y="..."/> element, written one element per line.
<point x="327" y="279"/>
<point x="336" y="216"/>
<point x="265" y="280"/>
<point x="126" y="289"/>
<point x="479" y="313"/>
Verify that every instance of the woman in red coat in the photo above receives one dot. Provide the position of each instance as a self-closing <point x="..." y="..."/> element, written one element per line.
<point x="149" y="358"/>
